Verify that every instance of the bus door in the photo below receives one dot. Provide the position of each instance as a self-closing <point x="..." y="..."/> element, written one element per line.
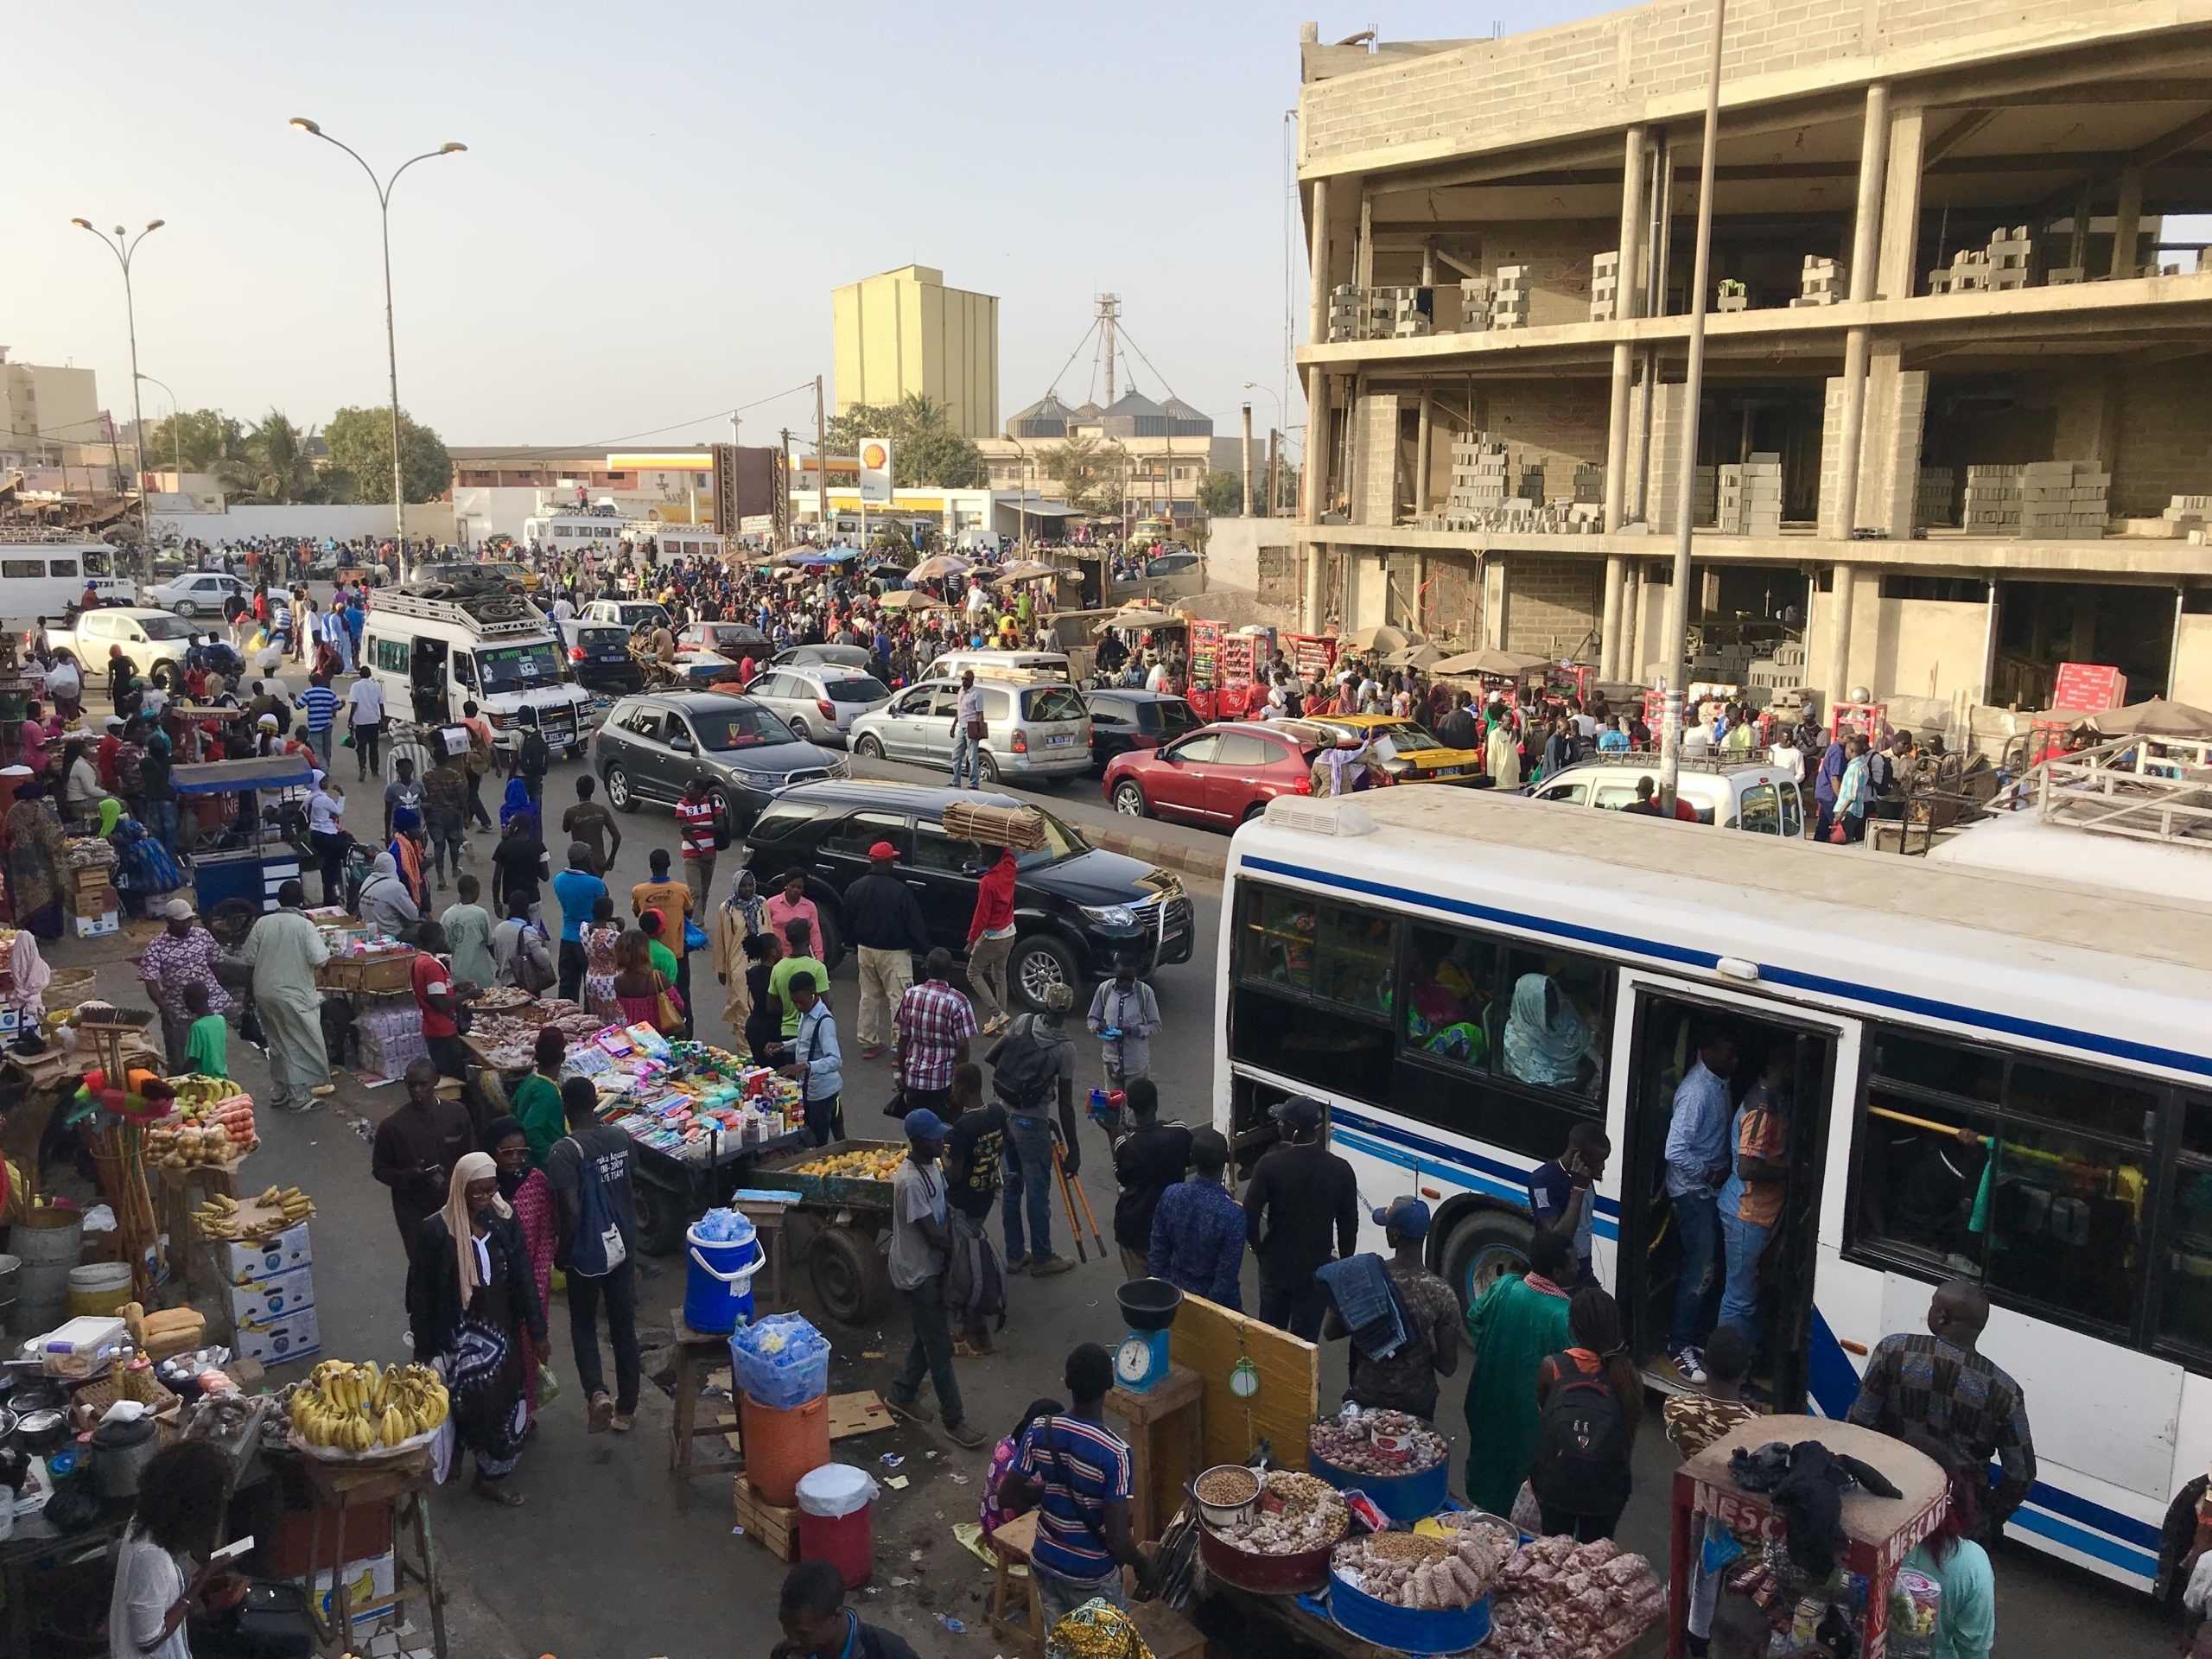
<point x="1786" y="1059"/>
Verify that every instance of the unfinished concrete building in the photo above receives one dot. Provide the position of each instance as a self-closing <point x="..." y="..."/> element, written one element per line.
<point x="1941" y="295"/>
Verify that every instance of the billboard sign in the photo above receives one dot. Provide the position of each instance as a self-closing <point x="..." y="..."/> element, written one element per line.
<point x="875" y="470"/>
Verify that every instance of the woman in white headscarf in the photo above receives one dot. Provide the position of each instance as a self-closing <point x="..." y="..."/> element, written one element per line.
<point x="471" y="1296"/>
<point x="386" y="905"/>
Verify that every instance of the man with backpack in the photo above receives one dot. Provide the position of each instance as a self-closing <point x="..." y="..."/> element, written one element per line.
<point x="1589" y="1401"/>
<point x="589" y="1171"/>
<point x="1033" y="1063"/>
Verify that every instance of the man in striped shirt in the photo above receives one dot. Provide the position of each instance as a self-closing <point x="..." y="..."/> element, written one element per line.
<point x="321" y="704"/>
<point x="1076" y="1472"/>
<point x="694" y="821"/>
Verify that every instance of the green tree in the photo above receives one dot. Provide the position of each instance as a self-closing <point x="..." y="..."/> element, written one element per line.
<point x="275" y="467"/>
<point x="1089" y="476"/>
<point x="360" y="447"/>
<point x="925" y="451"/>
<point x="1222" y="493"/>
<point x="200" y="436"/>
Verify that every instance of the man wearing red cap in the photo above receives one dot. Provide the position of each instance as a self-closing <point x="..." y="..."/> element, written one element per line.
<point x="886" y="926"/>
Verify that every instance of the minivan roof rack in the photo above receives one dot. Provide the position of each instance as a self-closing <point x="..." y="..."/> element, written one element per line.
<point x="491" y="612"/>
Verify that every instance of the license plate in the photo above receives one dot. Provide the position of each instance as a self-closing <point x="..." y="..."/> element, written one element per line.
<point x="1055" y="742"/>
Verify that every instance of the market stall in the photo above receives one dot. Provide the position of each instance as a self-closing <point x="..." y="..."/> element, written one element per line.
<point x="844" y="1192"/>
<point x="232" y="859"/>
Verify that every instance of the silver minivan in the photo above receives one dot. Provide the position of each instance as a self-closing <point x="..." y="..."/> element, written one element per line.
<point x="820" y="701"/>
<point x="1032" y="729"/>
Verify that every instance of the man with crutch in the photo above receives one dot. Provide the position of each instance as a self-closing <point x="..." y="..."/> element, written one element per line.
<point x="1032" y="1071"/>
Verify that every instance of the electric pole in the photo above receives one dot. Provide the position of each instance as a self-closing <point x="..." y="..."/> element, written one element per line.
<point x="821" y="461"/>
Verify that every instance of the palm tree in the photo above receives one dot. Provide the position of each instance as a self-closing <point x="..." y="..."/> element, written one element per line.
<point x="276" y="468"/>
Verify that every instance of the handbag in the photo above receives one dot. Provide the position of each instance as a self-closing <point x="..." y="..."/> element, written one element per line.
<point x="1836" y="833"/>
<point x="977" y="731"/>
<point x="694" y="937"/>
<point x="668" y="1010"/>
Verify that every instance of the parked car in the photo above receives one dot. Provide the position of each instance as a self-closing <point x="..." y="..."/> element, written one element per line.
<point x="1219" y="775"/>
<point x="823" y="655"/>
<point x="1171" y="564"/>
<point x="1002" y="665"/>
<point x="1122" y="720"/>
<point x="820" y="703"/>
<point x="653" y="743"/>
<point x="201" y="593"/>
<point x="1077" y="909"/>
<point x="630" y="614"/>
<point x="154" y="642"/>
<point x="1734" y="794"/>
<point x="735" y="640"/>
<point x="1406" y="749"/>
<point x="599" y="656"/>
<point x="1032" y="730"/>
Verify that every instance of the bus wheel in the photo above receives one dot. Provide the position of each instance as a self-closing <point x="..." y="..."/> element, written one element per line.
<point x="1482" y="1248"/>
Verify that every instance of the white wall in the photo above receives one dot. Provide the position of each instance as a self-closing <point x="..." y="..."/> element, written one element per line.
<point x="1233" y="550"/>
<point x="342" y="523"/>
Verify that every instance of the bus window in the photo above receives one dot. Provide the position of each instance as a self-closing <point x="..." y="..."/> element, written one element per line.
<point x="1793" y="813"/>
<point x="1313" y="991"/>
<point x="2185" y="1251"/>
<point x="15" y="570"/>
<point x="1450" y="1011"/>
<point x="1574" y="794"/>
<point x="62" y="568"/>
<point x="1553" y="1030"/>
<point x="2065" y="1221"/>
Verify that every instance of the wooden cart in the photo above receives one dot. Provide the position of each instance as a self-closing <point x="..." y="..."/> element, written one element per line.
<point x="849" y="1219"/>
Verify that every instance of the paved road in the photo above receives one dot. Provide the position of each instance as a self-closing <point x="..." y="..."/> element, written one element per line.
<point x="606" y="1515"/>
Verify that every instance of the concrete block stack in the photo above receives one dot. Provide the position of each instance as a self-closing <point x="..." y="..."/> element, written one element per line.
<point x="1509" y="306"/>
<point x="1822" y="282"/>
<point x="1399" y="313"/>
<point x="1993" y="498"/>
<point x="1475" y="296"/>
<point x="1733" y="296"/>
<point x="1605" y="286"/>
<point x="1932" y="495"/>
<point x="2008" y="258"/>
<point x="1969" y="274"/>
<point x="2064" y="276"/>
<point x="1347" y="314"/>
<point x="2064" y="501"/>
<point x="2189" y="514"/>
<point x="1751" y="497"/>
<point x="1478" y="476"/>
<point x="1705" y="495"/>
<point x="1532" y="483"/>
<point x="1589" y="484"/>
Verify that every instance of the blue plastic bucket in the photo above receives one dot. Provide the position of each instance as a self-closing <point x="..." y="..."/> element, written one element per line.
<point x="1407" y="1629"/>
<point x="1404" y="1498"/>
<point x="718" y="1283"/>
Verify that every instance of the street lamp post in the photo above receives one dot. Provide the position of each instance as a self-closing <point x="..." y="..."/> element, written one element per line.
<point x="1254" y="385"/>
<point x="392" y="349"/>
<point x="123" y="250"/>
<point x="176" y="427"/>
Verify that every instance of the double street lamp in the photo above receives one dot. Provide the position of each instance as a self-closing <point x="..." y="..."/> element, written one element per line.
<point x="123" y="247"/>
<point x="391" y="350"/>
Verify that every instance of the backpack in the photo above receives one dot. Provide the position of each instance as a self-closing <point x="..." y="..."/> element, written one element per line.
<point x="1582" y="1445"/>
<point x="1024" y="1070"/>
<point x="597" y="1249"/>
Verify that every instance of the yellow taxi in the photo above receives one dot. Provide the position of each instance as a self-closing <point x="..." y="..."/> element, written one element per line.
<point x="1409" y="751"/>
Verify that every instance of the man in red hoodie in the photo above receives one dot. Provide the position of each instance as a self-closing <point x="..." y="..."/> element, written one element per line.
<point x="990" y="941"/>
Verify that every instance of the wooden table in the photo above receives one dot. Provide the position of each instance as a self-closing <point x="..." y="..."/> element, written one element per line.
<point x="402" y="1482"/>
<point x="1165" y="1429"/>
<point x="182" y="1190"/>
<point x="1878" y="1532"/>
<point x="698" y="1355"/>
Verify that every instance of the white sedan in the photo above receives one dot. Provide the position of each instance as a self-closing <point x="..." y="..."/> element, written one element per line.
<point x="196" y="594"/>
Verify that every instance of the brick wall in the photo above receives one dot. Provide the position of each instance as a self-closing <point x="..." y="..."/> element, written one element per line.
<point x="2165" y="439"/>
<point x="1889" y="449"/>
<point x="1669" y="432"/>
<point x="1556" y="422"/>
<point x="1595" y="74"/>
<point x="1556" y="257"/>
<point x="1376" y="459"/>
<point x="1552" y="602"/>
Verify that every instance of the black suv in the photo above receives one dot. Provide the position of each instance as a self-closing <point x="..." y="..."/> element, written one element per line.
<point x="1122" y="720"/>
<point x="1077" y="910"/>
<point x="650" y="746"/>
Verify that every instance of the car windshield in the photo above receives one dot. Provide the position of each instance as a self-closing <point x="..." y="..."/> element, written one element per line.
<point x="165" y="627"/>
<point x="1406" y="736"/>
<point x="635" y="616"/>
<point x="732" y="633"/>
<point x="514" y="668"/>
<point x="1060" y="841"/>
<point x="741" y="726"/>
<point x="857" y="688"/>
<point x="600" y="638"/>
<point x="1053" y="702"/>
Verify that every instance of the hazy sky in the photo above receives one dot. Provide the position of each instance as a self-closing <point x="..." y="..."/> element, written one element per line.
<point x="651" y="214"/>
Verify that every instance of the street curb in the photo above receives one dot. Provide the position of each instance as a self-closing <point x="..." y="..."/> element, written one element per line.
<point x="1191" y="861"/>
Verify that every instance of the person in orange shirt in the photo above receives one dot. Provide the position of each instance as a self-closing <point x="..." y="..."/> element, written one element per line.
<point x="1750" y="1199"/>
<point x="673" y="900"/>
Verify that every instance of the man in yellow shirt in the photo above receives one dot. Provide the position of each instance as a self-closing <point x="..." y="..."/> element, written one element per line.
<point x="673" y="900"/>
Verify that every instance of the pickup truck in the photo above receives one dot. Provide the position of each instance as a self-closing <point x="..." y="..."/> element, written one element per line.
<point x="154" y="642"/>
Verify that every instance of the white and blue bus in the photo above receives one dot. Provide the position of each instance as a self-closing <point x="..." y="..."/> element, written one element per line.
<point x="1371" y="949"/>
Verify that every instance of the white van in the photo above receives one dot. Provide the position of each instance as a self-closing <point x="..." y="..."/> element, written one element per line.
<point x="432" y="655"/>
<point x="1736" y="793"/>
<point x="45" y="577"/>
<point x="1005" y="664"/>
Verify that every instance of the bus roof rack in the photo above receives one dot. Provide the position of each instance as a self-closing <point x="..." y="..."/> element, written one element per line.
<point x="2150" y="788"/>
<point x="491" y="611"/>
<point x="1693" y="760"/>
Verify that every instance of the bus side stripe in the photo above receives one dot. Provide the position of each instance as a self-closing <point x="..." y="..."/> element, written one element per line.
<point x="2143" y="1565"/>
<point x="2060" y="1036"/>
<point x="2091" y="1513"/>
<point x="1516" y="1180"/>
<point x="1831" y="1378"/>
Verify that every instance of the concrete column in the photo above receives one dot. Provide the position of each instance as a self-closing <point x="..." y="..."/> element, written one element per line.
<point x="1629" y="292"/>
<point x="1247" y="461"/>
<point x="1420" y="455"/>
<point x="1895" y="277"/>
<point x="1317" y="258"/>
<point x="1363" y="255"/>
<point x="1317" y="445"/>
<point x="1495" y="598"/>
<point x="1609" y="627"/>
<point x="1873" y="140"/>
<point x="1317" y="564"/>
<point x="1416" y="606"/>
<point x="1835" y="684"/>
<point x="2127" y="223"/>
<point x="1988" y="657"/>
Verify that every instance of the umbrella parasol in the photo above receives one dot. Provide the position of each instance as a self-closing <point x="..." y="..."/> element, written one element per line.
<point x="1028" y="570"/>
<point x="1489" y="660"/>
<point x="1384" y="637"/>
<point x="1423" y="655"/>
<point x="912" y="599"/>
<point x="944" y="564"/>
<point x="1142" y="616"/>
<point x="2159" y="717"/>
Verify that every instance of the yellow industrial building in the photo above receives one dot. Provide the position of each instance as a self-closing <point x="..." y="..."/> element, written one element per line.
<point x="904" y="332"/>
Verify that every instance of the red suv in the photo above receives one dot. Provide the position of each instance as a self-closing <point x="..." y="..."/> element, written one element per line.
<point x="1219" y="775"/>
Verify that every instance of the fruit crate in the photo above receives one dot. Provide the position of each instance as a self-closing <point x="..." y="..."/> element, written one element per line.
<point x="778" y="1173"/>
<point x="774" y="1528"/>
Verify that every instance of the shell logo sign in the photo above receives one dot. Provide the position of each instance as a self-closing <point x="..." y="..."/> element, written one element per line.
<point x="875" y="469"/>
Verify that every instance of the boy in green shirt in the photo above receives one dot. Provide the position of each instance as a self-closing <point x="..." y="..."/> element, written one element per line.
<point x="537" y="1099"/>
<point x="208" y="1040"/>
<point x="800" y="959"/>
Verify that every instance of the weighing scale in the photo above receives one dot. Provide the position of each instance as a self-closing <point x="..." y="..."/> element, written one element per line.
<point x="1149" y="1304"/>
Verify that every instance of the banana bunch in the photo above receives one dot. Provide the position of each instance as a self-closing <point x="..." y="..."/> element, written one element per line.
<point x="358" y="1408"/>
<point x="218" y="1218"/>
<point x="295" y="1204"/>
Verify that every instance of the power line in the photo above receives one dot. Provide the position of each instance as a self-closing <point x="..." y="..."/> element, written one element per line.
<point x="628" y="437"/>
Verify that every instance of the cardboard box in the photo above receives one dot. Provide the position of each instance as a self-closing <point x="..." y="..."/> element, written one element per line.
<point x="372" y="1589"/>
<point x="271" y="1300"/>
<point x="246" y="1263"/>
<point x="365" y="1528"/>
<point x="99" y="926"/>
<point x="281" y="1341"/>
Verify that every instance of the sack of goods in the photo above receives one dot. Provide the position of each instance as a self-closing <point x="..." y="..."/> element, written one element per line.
<point x="1017" y="826"/>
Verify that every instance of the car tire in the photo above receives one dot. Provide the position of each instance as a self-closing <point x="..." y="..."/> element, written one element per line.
<point x="1038" y="960"/>
<point x="619" y="795"/>
<point x="1253" y="812"/>
<point x="186" y="609"/>
<point x="1487" y="1244"/>
<point x="830" y="947"/>
<point x="660" y="1218"/>
<point x="849" y="1279"/>
<point x="166" y="676"/>
<point x="1129" y="801"/>
<point x="868" y="747"/>
<point x="987" y="770"/>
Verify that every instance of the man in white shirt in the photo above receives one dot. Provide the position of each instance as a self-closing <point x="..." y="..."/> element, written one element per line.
<point x="1155" y="678"/>
<point x="365" y="720"/>
<point x="967" y="733"/>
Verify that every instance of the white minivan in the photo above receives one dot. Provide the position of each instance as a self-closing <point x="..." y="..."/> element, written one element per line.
<point x="1734" y="793"/>
<point x="432" y="656"/>
<point x="46" y="578"/>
